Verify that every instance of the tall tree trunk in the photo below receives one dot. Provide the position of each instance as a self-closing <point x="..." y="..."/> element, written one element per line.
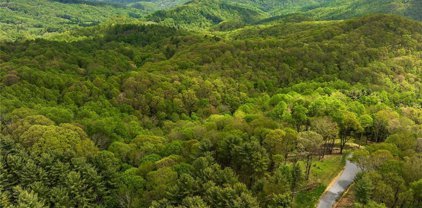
<point x="272" y="163"/>
<point x="308" y="166"/>
<point x="332" y="145"/>
<point x="324" y="148"/>
<point x="342" y="144"/>
<point x="343" y="141"/>
<point x="396" y="198"/>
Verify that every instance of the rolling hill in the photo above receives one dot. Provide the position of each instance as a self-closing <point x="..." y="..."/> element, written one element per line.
<point x="209" y="103"/>
<point x="203" y="14"/>
<point x="233" y="14"/>
<point x="136" y="114"/>
<point x="343" y="9"/>
<point x="147" y="5"/>
<point x="23" y="19"/>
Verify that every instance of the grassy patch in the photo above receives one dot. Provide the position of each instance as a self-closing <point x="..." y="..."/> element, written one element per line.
<point x="324" y="171"/>
<point x="308" y="198"/>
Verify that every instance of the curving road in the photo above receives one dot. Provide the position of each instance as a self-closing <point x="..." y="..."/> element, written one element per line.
<point x="336" y="189"/>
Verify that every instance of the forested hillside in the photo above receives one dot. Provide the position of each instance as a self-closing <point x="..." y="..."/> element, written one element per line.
<point x="206" y="13"/>
<point x="233" y="14"/>
<point x="340" y="9"/>
<point x="24" y="19"/>
<point x="154" y="116"/>
<point x="212" y="103"/>
<point x="148" y="5"/>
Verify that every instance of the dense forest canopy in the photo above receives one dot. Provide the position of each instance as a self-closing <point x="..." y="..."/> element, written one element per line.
<point x="209" y="103"/>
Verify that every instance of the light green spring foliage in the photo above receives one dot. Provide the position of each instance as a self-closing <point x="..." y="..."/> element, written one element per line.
<point x="341" y="9"/>
<point x="129" y="114"/>
<point x="23" y="19"/>
<point x="226" y="15"/>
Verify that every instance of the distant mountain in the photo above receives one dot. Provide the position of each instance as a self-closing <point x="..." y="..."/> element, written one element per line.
<point x="30" y="19"/>
<point x="231" y="14"/>
<point x="339" y="9"/>
<point x="154" y="5"/>
<point x="34" y="18"/>
<point x="343" y="9"/>
<point x="285" y="5"/>
<point x="208" y="13"/>
<point x="149" y="5"/>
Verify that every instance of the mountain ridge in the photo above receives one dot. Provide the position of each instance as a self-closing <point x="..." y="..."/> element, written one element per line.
<point x="18" y="19"/>
<point x="312" y="10"/>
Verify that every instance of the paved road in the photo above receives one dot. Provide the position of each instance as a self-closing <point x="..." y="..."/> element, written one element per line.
<point x="337" y="188"/>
